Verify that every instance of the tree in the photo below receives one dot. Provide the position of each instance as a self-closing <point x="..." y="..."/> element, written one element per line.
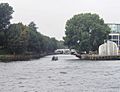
<point x="85" y="32"/>
<point x="32" y="26"/>
<point x="53" y="44"/>
<point x="17" y="38"/>
<point x="35" y="39"/>
<point x="5" y="16"/>
<point x="46" y="44"/>
<point x="60" y="45"/>
<point x="21" y="39"/>
<point x="49" y="44"/>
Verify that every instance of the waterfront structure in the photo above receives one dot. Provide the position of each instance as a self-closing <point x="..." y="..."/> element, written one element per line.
<point x="62" y="51"/>
<point x="115" y="28"/>
<point x="115" y="37"/>
<point x="109" y="48"/>
<point x="115" y="33"/>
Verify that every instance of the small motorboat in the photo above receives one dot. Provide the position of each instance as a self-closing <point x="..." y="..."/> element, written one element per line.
<point x="54" y="58"/>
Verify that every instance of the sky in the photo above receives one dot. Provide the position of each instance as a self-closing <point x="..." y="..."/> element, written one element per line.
<point x="50" y="16"/>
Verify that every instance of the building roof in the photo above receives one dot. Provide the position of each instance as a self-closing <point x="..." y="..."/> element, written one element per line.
<point x="113" y="23"/>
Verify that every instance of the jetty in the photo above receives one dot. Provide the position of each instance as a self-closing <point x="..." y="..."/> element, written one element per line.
<point x="106" y="51"/>
<point x="98" y="57"/>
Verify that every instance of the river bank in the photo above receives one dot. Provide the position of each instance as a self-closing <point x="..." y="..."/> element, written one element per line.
<point x="97" y="57"/>
<point x="9" y="58"/>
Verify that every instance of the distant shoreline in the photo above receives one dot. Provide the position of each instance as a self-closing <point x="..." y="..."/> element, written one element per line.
<point x="10" y="58"/>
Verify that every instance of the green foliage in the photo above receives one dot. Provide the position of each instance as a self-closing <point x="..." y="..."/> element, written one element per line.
<point x="49" y="44"/>
<point x="34" y="40"/>
<point x="32" y="26"/>
<point x="85" y="32"/>
<point x="5" y="16"/>
<point x="60" y="45"/>
<point x="21" y="39"/>
<point x="17" y="38"/>
<point x="4" y="51"/>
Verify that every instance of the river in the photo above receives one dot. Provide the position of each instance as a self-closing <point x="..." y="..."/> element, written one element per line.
<point x="68" y="74"/>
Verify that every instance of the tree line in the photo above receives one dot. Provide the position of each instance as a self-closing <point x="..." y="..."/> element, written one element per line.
<point x="18" y="38"/>
<point x="85" y="32"/>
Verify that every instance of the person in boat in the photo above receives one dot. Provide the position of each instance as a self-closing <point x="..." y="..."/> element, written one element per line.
<point x="54" y="58"/>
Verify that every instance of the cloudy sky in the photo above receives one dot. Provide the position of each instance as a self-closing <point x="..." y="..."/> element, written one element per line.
<point x="51" y="15"/>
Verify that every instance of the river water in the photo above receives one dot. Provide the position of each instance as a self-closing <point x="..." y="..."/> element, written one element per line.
<point x="68" y="74"/>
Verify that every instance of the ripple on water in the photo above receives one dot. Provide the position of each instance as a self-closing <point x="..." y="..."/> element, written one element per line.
<point x="66" y="75"/>
<point x="63" y="72"/>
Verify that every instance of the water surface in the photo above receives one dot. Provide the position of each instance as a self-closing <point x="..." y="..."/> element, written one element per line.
<point x="68" y="74"/>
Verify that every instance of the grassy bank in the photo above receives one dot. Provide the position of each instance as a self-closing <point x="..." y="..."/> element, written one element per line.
<point x="9" y="58"/>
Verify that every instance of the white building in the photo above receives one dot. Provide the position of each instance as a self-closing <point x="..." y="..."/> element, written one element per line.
<point x="115" y="33"/>
<point x="115" y="37"/>
<point x="115" y="28"/>
<point x="108" y="48"/>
